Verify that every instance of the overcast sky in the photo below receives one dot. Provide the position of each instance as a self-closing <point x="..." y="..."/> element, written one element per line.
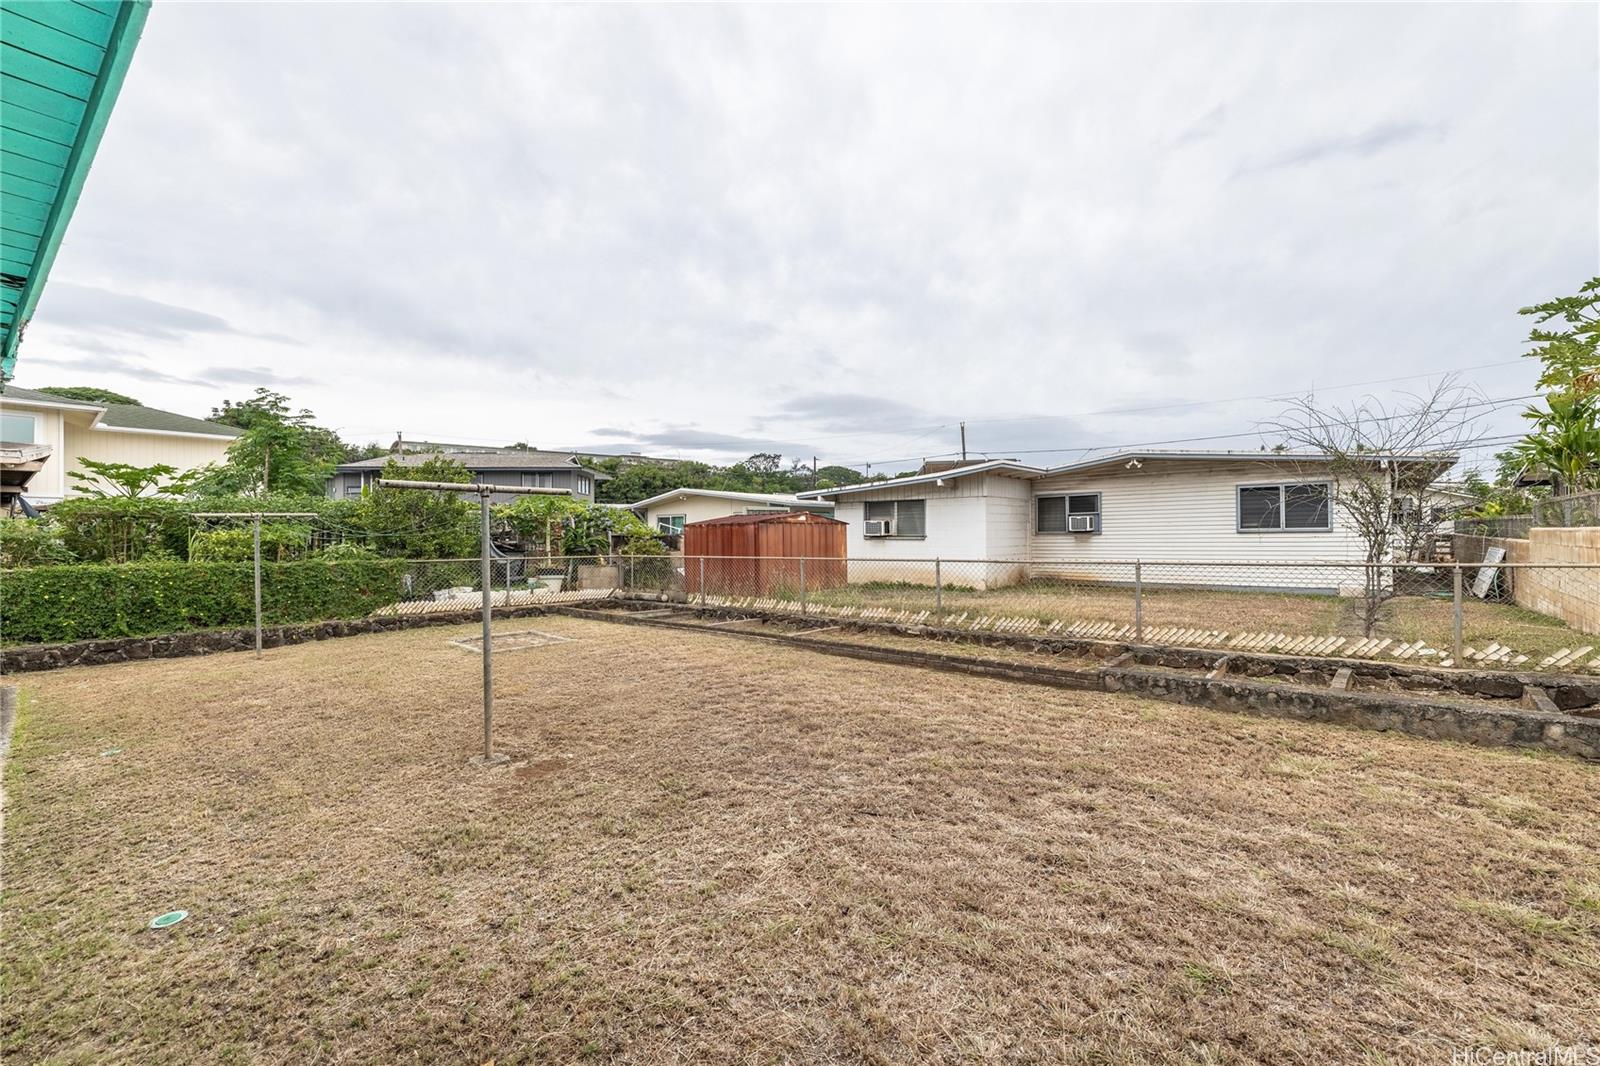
<point x="705" y="231"/>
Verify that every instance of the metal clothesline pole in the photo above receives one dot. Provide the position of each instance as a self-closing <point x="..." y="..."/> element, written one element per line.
<point x="486" y="581"/>
<point x="255" y="518"/>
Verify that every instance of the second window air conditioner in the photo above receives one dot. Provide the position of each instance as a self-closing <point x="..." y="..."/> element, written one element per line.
<point x="1080" y="523"/>
<point x="875" y="528"/>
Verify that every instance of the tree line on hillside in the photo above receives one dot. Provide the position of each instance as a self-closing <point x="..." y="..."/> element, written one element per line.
<point x="281" y="461"/>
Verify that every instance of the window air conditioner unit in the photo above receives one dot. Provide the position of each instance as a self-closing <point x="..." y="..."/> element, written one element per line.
<point x="1080" y="523"/>
<point x="876" y="528"/>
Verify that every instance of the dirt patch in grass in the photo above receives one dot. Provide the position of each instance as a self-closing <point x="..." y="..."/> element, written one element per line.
<point x="722" y="850"/>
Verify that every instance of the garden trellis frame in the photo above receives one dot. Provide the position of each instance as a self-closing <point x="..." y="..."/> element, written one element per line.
<point x="484" y="492"/>
<point x="255" y="517"/>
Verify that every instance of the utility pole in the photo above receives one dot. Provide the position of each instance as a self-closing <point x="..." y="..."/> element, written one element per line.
<point x="813" y="471"/>
<point x="963" y="443"/>
<point x="484" y="491"/>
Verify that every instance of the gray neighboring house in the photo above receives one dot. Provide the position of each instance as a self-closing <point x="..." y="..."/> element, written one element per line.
<point x="522" y="469"/>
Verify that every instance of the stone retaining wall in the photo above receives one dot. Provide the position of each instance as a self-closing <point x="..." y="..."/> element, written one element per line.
<point x="208" y="641"/>
<point x="1401" y="712"/>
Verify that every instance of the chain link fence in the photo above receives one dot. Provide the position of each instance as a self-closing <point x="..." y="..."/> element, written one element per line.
<point x="1517" y="614"/>
<point x="1415" y="611"/>
<point x="1579" y="509"/>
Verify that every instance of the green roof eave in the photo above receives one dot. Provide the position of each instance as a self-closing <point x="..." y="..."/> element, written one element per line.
<point x="127" y="25"/>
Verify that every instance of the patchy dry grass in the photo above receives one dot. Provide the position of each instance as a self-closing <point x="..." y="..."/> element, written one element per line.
<point x="719" y="850"/>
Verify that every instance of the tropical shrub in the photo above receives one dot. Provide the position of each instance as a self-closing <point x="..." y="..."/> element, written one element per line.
<point x="30" y="542"/>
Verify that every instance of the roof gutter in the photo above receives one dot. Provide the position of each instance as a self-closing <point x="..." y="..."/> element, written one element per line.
<point x="125" y="31"/>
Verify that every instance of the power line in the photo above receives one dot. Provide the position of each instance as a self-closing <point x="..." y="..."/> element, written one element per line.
<point x="1492" y="404"/>
<point x="926" y="429"/>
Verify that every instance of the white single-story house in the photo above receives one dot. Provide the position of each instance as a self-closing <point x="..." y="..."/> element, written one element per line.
<point x="1000" y="522"/>
<point x="670" y="511"/>
<point x="47" y="435"/>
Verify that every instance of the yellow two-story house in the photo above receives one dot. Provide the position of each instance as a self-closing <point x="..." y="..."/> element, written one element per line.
<point x="43" y="437"/>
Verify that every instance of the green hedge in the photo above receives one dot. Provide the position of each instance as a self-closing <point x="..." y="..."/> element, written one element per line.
<point x="47" y="604"/>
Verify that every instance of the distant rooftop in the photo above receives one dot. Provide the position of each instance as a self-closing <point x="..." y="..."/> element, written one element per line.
<point x="1133" y="458"/>
<point x="127" y="415"/>
<point x="782" y="499"/>
<point x="479" y="459"/>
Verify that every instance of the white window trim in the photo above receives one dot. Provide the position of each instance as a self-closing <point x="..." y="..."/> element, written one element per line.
<point x="683" y="520"/>
<point x="33" y="435"/>
<point x="1099" y="504"/>
<point x="895" y="536"/>
<point x="1283" y="513"/>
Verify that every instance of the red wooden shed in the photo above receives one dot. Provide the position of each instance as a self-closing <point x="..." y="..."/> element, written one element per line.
<point x="760" y="554"/>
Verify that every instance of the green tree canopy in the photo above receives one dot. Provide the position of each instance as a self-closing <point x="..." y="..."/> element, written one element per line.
<point x="413" y="524"/>
<point x="1570" y="355"/>
<point x="1565" y="439"/>
<point x="89" y="394"/>
<point x="102" y="479"/>
<point x="280" y="450"/>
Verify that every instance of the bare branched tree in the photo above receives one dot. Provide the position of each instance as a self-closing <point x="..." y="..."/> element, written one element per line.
<point x="1383" y="458"/>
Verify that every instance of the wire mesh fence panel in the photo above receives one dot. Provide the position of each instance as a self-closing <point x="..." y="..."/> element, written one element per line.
<point x="1578" y="509"/>
<point x="1525" y="616"/>
<point x="443" y="586"/>
<point x="1507" y="526"/>
<point x="1511" y="613"/>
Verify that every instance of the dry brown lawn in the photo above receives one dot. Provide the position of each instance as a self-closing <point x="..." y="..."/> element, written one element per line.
<point x="714" y="850"/>
<point x="1406" y="618"/>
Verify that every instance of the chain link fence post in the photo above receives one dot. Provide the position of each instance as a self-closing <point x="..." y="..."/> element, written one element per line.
<point x="702" y="580"/>
<point x="1455" y="614"/>
<point x="938" y="589"/>
<point x="1138" y="600"/>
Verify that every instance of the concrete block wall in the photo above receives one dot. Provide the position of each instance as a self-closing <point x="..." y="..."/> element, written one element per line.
<point x="1570" y="595"/>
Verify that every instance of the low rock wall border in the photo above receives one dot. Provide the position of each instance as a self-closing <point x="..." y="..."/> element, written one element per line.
<point x="31" y="657"/>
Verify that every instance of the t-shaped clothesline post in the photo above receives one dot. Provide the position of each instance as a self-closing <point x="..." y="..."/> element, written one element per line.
<point x="484" y="492"/>
<point x="255" y="518"/>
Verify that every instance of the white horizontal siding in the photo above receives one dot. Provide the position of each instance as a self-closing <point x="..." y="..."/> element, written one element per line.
<point x="1188" y="511"/>
<point x="963" y="522"/>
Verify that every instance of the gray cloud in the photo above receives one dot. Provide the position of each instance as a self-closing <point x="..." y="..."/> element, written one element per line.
<point x="95" y="310"/>
<point x="827" y="230"/>
<point x="1368" y="142"/>
<point x="112" y="365"/>
<point x="840" y="411"/>
<point x="254" y="375"/>
<point x="694" y="439"/>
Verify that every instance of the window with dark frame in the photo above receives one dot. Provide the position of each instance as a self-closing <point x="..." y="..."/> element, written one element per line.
<point x="1285" y="507"/>
<point x="1052" y="514"/>
<point x="906" y="518"/>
